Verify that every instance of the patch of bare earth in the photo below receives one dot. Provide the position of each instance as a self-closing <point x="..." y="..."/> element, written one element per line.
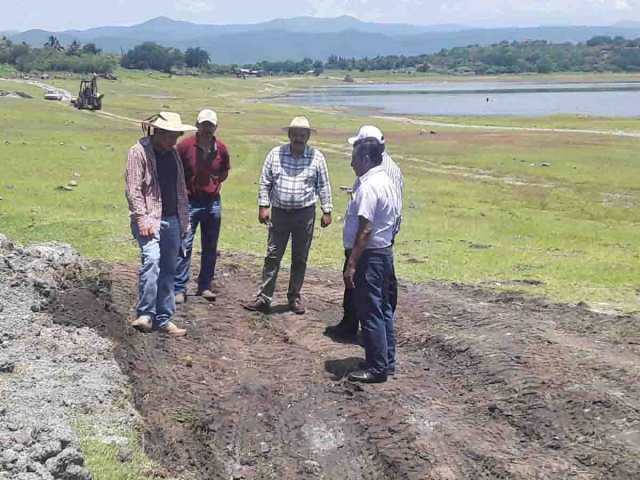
<point x="489" y="386"/>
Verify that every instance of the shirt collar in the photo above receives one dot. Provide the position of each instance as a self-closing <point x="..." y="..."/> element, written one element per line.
<point x="370" y="173"/>
<point x="286" y="149"/>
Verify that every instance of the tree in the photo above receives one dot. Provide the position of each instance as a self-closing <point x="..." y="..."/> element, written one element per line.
<point x="53" y="43"/>
<point x="150" y="55"/>
<point x="91" y="49"/>
<point x="73" y="50"/>
<point x="318" y="67"/>
<point x="196" y="57"/>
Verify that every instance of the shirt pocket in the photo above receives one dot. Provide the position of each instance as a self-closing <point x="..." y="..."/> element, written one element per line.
<point x="310" y="176"/>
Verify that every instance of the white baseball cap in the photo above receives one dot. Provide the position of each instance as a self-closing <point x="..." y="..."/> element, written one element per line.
<point x="367" y="131"/>
<point x="207" y="115"/>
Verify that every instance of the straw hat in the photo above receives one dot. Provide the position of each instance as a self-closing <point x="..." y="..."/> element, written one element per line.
<point x="168" y="121"/>
<point x="299" y="122"/>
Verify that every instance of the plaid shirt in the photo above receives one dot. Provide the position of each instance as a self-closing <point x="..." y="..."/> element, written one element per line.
<point x="295" y="182"/>
<point x="143" y="188"/>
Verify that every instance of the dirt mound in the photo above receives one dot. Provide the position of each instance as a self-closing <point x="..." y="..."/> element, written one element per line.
<point x="489" y="386"/>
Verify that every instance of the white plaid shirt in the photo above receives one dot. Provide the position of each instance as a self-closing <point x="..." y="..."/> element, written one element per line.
<point x="395" y="175"/>
<point x="295" y="182"/>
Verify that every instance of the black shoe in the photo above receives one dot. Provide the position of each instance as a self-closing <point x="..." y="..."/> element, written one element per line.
<point x="339" y="331"/>
<point x="365" y="376"/>
<point x="390" y="371"/>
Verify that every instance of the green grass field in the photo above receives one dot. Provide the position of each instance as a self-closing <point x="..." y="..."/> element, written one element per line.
<point x="568" y="230"/>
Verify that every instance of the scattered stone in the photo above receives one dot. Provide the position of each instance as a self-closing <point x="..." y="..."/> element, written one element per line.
<point x="413" y="205"/>
<point x="7" y="367"/>
<point x="75" y="472"/>
<point x="1" y="198"/>
<point x="124" y="455"/>
<point x="480" y="245"/>
<point x="61" y="143"/>
<point x="310" y="467"/>
<point x="73" y="183"/>
<point x="264" y="448"/>
<point x="43" y="452"/>
<point x="22" y="438"/>
<point x="7" y="142"/>
<point x="66" y="188"/>
<point x="82" y="147"/>
<point x="9" y="186"/>
<point x="546" y="164"/>
<point x="77" y="174"/>
<point x="8" y="457"/>
<point x="1" y="307"/>
<point x="58" y="465"/>
<point x="35" y="308"/>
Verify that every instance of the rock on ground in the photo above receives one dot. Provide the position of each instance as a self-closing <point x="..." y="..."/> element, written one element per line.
<point x="50" y="375"/>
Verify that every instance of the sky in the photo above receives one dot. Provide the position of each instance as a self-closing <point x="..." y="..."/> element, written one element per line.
<point x="61" y="15"/>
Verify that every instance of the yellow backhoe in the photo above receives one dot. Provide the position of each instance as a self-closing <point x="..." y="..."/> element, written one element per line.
<point x="88" y="98"/>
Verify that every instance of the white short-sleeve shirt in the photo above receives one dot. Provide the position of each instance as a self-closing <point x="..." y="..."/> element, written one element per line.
<point x="373" y="198"/>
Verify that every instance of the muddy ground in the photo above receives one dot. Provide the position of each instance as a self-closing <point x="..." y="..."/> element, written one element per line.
<point x="489" y="386"/>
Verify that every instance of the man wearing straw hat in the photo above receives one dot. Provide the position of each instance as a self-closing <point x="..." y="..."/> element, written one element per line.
<point x="159" y="212"/>
<point x="293" y="177"/>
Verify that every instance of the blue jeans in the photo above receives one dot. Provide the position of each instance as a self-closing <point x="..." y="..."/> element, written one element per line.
<point x="372" y="281"/>
<point x="207" y="212"/>
<point x="157" y="271"/>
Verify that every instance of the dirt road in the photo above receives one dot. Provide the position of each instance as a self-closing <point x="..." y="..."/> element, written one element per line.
<point x="489" y="386"/>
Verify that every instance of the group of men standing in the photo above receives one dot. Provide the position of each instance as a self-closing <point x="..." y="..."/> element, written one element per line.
<point x="171" y="191"/>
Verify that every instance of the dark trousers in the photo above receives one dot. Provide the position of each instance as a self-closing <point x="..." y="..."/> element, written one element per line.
<point x="297" y="224"/>
<point x="349" y="323"/>
<point x="372" y="281"/>
<point x="206" y="212"/>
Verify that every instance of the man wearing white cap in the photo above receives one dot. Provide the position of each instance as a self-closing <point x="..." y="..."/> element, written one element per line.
<point x="159" y="212"/>
<point x="206" y="165"/>
<point x="293" y="177"/>
<point x="348" y="326"/>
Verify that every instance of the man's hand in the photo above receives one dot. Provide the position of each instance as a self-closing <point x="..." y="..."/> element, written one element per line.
<point x="326" y="220"/>
<point x="349" y="272"/>
<point x="264" y="215"/>
<point x="147" y="231"/>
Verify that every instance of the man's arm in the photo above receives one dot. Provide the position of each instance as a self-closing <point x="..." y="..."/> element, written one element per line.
<point x="363" y="236"/>
<point x="134" y="176"/>
<point x="264" y="190"/>
<point x="226" y="164"/>
<point x="323" y="186"/>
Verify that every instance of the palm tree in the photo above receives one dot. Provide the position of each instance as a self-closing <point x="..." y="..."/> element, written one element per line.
<point x="73" y="50"/>
<point x="53" y="43"/>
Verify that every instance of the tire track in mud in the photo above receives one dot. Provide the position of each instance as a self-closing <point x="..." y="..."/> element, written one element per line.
<point x="489" y="385"/>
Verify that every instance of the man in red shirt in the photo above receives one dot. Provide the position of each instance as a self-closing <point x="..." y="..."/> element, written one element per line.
<point x="206" y="166"/>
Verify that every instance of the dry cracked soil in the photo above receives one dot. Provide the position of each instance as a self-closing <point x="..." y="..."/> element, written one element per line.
<point x="489" y="385"/>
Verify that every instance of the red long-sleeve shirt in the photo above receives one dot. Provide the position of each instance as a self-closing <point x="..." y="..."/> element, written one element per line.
<point x="204" y="172"/>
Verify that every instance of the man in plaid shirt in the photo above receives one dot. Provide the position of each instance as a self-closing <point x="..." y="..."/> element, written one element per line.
<point x="293" y="177"/>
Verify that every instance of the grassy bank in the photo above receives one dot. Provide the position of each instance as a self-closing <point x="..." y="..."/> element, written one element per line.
<point x="481" y="208"/>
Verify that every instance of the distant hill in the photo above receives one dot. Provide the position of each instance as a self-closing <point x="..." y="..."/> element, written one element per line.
<point x="316" y="38"/>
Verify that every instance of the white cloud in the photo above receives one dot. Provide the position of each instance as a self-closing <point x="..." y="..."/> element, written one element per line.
<point x="194" y="6"/>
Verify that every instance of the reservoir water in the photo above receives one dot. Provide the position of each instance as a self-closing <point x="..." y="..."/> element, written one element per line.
<point x="620" y="99"/>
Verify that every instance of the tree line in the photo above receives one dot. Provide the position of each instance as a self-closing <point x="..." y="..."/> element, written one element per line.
<point x="599" y="54"/>
<point x="52" y="56"/>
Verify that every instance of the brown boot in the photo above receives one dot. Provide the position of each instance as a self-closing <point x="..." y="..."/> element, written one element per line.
<point x="257" y="305"/>
<point x="173" y="330"/>
<point x="206" y="294"/>
<point x="298" y="307"/>
<point x="142" y="324"/>
<point x="179" y="298"/>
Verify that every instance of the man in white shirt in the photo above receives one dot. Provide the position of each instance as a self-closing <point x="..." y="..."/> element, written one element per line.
<point x="369" y="229"/>
<point x="347" y="328"/>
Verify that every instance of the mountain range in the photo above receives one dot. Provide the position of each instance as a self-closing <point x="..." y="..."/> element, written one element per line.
<point x="316" y="38"/>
